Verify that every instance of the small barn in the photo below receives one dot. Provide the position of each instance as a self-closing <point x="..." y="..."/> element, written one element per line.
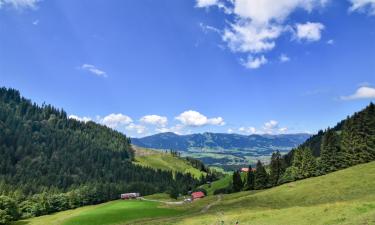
<point x="197" y="195"/>
<point x="130" y="196"/>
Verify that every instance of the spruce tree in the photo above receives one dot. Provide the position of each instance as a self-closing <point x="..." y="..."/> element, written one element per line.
<point x="250" y="179"/>
<point x="237" y="181"/>
<point x="260" y="177"/>
<point x="276" y="168"/>
<point x="332" y="158"/>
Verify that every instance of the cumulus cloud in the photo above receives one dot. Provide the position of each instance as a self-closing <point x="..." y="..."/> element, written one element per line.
<point x="196" y="119"/>
<point x="331" y="42"/>
<point x="361" y="93"/>
<point x="160" y="121"/>
<point x="177" y="129"/>
<point x="284" y="58"/>
<point x="206" y="3"/>
<point x="363" y="6"/>
<point x="94" y="70"/>
<point x="82" y="119"/>
<point x="255" y="25"/>
<point x="247" y="38"/>
<point x="19" y="4"/>
<point x="309" y="31"/>
<point x="248" y="130"/>
<point x="139" y="129"/>
<point x="255" y="62"/>
<point x="116" y="120"/>
<point x="270" y="125"/>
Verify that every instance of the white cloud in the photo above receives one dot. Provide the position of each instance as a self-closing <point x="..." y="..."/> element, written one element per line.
<point x="331" y="42"/>
<point x="255" y="62"/>
<point x="361" y="93"/>
<point x="265" y="11"/>
<point x="140" y="129"/>
<point x="82" y="119"/>
<point x="196" y="119"/>
<point x="230" y="131"/>
<point x="309" y="31"/>
<point x="206" y="3"/>
<point x="19" y="4"/>
<point x="177" y="129"/>
<point x="270" y="125"/>
<point x="248" y="130"/>
<point x="116" y="120"/>
<point x="283" y="130"/>
<point x="160" y="121"/>
<point x="94" y="70"/>
<point x="363" y="5"/>
<point x="255" y="25"/>
<point x="248" y="38"/>
<point x="284" y="58"/>
<point x="35" y="22"/>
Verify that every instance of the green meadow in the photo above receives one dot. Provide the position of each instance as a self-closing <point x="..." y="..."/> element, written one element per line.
<point x="344" y="197"/>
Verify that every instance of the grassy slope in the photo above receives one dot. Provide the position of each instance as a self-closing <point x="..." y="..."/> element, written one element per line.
<point x="116" y="212"/>
<point x="164" y="161"/>
<point x="344" y="197"/>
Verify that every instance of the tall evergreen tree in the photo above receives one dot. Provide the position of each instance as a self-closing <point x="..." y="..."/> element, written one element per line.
<point x="260" y="177"/>
<point x="277" y="168"/>
<point x="250" y="179"/>
<point x="304" y="163"/>
<point x="237" y="181"/>
<point x="332" y="157"/>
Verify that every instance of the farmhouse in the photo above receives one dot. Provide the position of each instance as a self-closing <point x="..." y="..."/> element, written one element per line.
<point x="245" y="170"/>
<point x="130" y="196"/>
<point x="197" y="195"/>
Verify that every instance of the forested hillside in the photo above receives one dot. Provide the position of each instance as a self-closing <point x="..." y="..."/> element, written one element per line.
<point x="50" y="163"/>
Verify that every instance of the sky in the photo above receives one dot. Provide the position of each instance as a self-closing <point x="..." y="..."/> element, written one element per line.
<point x="191" y="66"/>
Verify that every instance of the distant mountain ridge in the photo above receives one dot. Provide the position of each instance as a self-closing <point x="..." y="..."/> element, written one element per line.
<point x="228" y="151"/>
<point x="219" y="141"/>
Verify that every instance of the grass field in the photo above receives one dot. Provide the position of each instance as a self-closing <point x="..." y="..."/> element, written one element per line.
<point x="116" y="212"/>
<point x="164" y="161"/>
<point x="345" y="197"/>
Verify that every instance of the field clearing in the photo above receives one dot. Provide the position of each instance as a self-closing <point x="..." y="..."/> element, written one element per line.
<point x="164" y="161"/>
<point x="116" y="212"/>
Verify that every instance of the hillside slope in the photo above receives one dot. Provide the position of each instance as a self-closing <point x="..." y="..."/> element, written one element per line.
<point x="344" y="197"/>
<point x="164" y="161"/>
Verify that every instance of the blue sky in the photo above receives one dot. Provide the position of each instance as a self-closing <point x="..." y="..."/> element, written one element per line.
<point x="146" y="66"/>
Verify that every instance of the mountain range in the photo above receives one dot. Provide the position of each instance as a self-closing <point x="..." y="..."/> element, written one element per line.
<point x="222" y="149"/>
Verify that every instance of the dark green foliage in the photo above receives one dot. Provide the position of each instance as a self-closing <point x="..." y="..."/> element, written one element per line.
<point x="250" y="179"/>
<point x="8" y="210"/>
<point x="332" y="157"/>
<point x="48" y="158"/>
<point x="277" y="168"/>
<point x="261" y="177"/>
<point x="226" y="190"/>
<point x="237" y="181"/>
<point x="350" y="142"/>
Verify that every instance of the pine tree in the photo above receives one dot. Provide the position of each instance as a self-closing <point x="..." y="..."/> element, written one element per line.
<point x="237" y="181"/>
<point x="260" y="177"/>
<point x="277" y="168"/>
<point x="304" y="163"/>
<point x="250" y="179"/>
<point x="332" y="158"/>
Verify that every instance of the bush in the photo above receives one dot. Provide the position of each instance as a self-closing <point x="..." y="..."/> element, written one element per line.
<point x="8" y="210"/>
<point x="226" y="190"/>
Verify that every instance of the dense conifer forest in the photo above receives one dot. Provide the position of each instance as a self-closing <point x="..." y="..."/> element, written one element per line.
<point x="350" y="142"/>
<point x="51" y="163"/>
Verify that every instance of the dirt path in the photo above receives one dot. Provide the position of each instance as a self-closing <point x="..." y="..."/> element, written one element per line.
<point x="207" y="207"/>
<point x="165" y="202"/>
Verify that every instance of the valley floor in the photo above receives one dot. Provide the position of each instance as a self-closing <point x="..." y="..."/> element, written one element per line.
<point x="344" y="197"/>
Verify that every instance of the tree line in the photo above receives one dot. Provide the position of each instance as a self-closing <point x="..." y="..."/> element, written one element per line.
<point x="51" y="163"/>
<point x="350" y="142"/>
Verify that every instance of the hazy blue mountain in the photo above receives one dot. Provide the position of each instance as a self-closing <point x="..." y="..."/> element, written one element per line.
<point x="223" y="149"/>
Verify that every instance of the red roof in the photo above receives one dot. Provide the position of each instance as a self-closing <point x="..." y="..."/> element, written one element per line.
<point x="198" y="194"/>
<point x="247" y="170"/>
